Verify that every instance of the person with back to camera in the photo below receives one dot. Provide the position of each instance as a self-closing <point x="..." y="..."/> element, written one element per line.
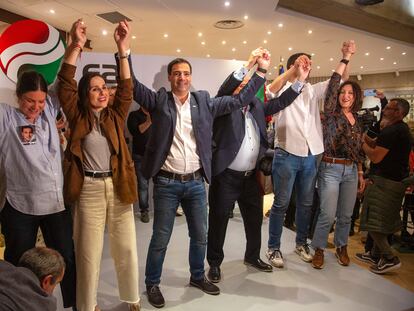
<point x="340" y="171"/>
<point x="33" y="179"/>
<point x="99" y="172"/>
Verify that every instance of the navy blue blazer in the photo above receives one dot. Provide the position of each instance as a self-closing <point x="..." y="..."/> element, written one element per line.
<point x="229" y="130"/>
<point x="204" y="109"/>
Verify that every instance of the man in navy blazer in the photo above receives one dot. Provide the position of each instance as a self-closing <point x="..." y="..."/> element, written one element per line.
<point x="178" y="157"/>
<point x="239" y="142"/>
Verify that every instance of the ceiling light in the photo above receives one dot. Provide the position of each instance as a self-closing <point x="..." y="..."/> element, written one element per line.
<point x="104" y="32"/>
<point x="388" y="47"/>
<point x="244" y="42"/>
<point x="223" y="42"/>
<point x="134" y="37"/>
<point x="318" y="67"/>
<point x="332" y="70"/>
<point x="264" y="41"/>
<point x="166" y="35"/>
<point x="203" y="43"/>
<point x="331" y="59"/>
<point x="227" y="3"/>
<point x="403" y="53"/>
<point x="367" y="54"/>
<point x="382" y="58"/>
<point x="309" y="31"/>
<point x="269" y="32"/>
<point x="246" y="17"/>
<point x="289" y="48"/>
<point x="394" y="63"/>
<point x="282" y="59"/>
<point x="208" y="55"/>
<point x="233" y="49"/>
<point x="313" y="54"/>
<point x="280" y="25"/>
<point x="178" y="51"/>
<point x="362" y="67"/>
<point x="270" y="73"/>
<point x="200" y="34"/>
<point x="51" y="11"/>
<point x="275" y="67"/>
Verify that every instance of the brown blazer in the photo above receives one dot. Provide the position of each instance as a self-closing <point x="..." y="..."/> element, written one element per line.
<point x="112" y="120"/>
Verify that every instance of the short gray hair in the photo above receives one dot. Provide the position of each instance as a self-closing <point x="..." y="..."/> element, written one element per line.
<point x="43" y="261"/>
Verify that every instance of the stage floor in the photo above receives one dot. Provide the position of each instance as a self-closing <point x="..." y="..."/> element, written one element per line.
<point x="296" y="287"/>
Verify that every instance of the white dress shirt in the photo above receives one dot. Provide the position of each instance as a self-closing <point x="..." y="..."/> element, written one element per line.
<point x="298" y="127"/>
<point x="182" y="157"/>
<point x="246" y="158"/>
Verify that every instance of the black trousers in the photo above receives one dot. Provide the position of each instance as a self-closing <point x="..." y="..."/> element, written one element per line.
<point x="20" y="232"/>
<point x="225" y="189"/>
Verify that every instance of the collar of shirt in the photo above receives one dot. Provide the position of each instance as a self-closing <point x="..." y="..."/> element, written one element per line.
<point x="178" y="102"/>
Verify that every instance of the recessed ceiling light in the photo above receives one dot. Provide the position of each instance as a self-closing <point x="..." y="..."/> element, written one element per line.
<point x="318" y="67"/>
<point x="227" y="3"/>
<point x="246" y="16"/>
<point x="282" y="59"/>
<point x="203" y="43"/>
<point x="394" y="63"/>
<point x="208" y="55"/>
<point x="223" y="42"/>
<point x="244" y="42"/>
<point x="166" y="35"/>
<point x="200" y="34"/>
<point x="331" y="59"/>
<point x="280" y="25"/>
<point x="289" y="48"/>
<point x="270" y="73"/>
<point x="264" y="41"/>
<point x="269" y="32"/>
<point x="313" y="54"/>
<point x="134" y="37"/>
<point x="309" y="31"/>
<point x="362" y="67"/>
<point x="51" y="11"/>
<point x="275" y="67"/>
<point x="104" y="32"/>
<point x="382" y="58"/>
<point x="367" y="54"/>
<point x="178" y="50"/>
<point x="233" y="49"/>
<point x="403" y="53"/>
<point x="388" y="47"/>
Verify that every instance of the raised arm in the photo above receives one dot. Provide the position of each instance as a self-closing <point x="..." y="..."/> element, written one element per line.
<point x="348" y="49"/>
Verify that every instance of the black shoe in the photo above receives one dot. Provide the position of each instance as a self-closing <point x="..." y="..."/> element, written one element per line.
<point x="259" y="265"/>
<point x="214" y="274"/>
<point x="385" y="265"/>
<point x="205" y="285"/>
<point x="155" y="296"/>
<point x="145" y="216"/>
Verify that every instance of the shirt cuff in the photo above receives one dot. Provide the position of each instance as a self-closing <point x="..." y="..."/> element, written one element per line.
<point x="240" y="73"/>
<point x="269" y="93"/>
<point x="297" y="86"/>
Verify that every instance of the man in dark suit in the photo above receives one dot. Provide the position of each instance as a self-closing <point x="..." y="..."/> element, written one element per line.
<point x="239" y="142"/>
<point x="178" y="157"/>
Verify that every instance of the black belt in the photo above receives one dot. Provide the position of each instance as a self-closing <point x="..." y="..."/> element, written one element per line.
<point x="241" y="173"/>
<point x="181" y="177"/>
<point x="98" y="174"/>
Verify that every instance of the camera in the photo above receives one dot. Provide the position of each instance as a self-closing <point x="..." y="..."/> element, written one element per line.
<point x="367" y="118"/>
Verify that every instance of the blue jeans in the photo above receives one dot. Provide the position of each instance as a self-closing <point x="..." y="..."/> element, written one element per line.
<point x="289" y="170"/>
<point x="337" y="188"/>
<point x="168" y="194"/>
<point x="142" y="183"/>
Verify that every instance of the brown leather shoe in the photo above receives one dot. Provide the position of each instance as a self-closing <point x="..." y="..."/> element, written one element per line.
<point x="342" y="255"/>
<point x="317" y="261"/>
<point x="134" y="307"/>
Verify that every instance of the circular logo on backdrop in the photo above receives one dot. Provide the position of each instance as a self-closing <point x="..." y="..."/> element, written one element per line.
<point x="31" y="45"/>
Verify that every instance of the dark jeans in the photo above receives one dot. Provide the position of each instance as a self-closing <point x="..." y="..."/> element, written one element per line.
<point x="142" y="183"/>
<point x="168" y="194"/>
<point x="20" y="232"/>
<point x="225" y="189"/>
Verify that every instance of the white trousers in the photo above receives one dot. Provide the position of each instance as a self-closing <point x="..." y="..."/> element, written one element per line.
<point x="99" y="205"/>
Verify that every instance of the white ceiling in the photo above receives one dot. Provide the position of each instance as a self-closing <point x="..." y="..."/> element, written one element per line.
<point x="182" y="20"/>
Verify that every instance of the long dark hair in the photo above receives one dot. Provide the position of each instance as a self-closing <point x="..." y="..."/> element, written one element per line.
<point x="83" y="90"/>
<point x="30" y="81"/>
<point x="356" y="89"/>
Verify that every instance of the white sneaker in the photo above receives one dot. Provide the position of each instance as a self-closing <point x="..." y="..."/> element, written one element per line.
<point x="304" y="252"/>
<point x="275" y="257"/>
